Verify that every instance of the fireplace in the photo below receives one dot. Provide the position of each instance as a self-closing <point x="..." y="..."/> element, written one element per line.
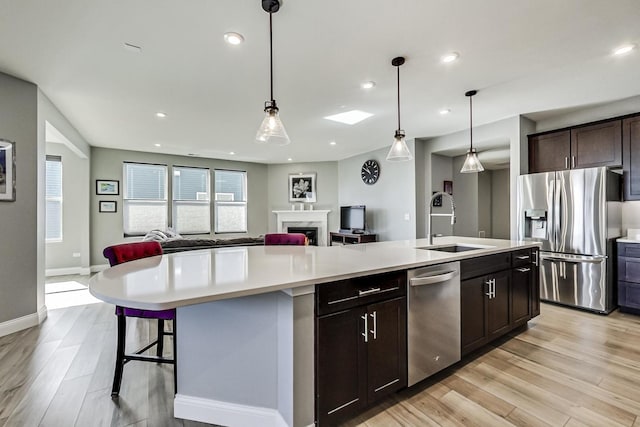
<point x="310" y="232"/>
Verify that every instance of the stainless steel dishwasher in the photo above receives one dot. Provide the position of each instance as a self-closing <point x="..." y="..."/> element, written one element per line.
<point x="433" y="298"/>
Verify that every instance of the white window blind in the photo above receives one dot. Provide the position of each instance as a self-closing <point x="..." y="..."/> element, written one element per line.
<point x="145" y="198"/>
<point x="191" y="200"/>
<point x="53" y="196"/>
<point x="230" y="201"/>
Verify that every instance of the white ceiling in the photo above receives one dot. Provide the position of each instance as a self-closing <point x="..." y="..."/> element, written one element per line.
<point x="524" y="57"/>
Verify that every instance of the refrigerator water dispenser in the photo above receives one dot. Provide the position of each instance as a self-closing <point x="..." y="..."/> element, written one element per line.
<point x="535" y="224"/>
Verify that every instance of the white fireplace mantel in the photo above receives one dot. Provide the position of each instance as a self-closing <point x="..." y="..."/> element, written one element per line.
<point x="315" y="218"/>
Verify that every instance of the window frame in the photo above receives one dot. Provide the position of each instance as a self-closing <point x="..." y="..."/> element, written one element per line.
<point x="55" y="158"/>
<point x="126" y="199"/>
<point x="244" y="203"/>
<point x="176" y="202"/>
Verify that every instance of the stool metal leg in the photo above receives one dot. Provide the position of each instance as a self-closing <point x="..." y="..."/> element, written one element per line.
<point x="117" y="377"/>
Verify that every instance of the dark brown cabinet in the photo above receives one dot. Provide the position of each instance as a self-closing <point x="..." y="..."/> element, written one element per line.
<point x="497" y="294"/>
<point x="361" y="350"/>
<point x="631" y="157"/>
<point x="549" y="152"/>
<point x="593" y="145"/>
<point x="629" y="277"/>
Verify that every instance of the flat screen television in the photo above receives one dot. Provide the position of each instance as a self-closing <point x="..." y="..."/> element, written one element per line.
<point x="353" y="219"/>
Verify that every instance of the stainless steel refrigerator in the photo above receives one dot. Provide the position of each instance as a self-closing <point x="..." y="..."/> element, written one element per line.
<point x="576" y="216"/>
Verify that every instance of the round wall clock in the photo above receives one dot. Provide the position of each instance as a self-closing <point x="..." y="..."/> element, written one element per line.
<point x="370" y="172"/>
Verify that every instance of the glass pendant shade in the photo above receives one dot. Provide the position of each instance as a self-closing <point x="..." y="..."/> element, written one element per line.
<point x="399" y="151"/>
<point x="471" y="163"/>
<point x="272" y="131"/>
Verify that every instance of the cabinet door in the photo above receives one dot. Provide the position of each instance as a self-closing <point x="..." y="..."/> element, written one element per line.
<point x="597" y="145"/>
<point x="340" y="366"/>
<point x="631" y="158"/>
<point x="549" y="152"/>
<point x="535" y="286"/>
<point x="386" y="348"/>
<point x="473" y="313"/>
<point x="521" y="292"/>
<point x="499" y="319"/>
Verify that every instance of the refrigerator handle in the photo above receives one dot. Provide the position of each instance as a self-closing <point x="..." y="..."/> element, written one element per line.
<point x="557" y="214"/>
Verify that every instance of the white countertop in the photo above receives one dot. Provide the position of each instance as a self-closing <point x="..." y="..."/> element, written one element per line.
<point x="627" y="240"/>
<point x="193" y="277"/>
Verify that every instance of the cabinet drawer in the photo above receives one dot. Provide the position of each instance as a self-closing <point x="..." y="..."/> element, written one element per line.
<point x="349" y="293"/>
<point x="484" y="265"/>
<point x="521" y="258"/>
<point x="629" y="269"/>
<point x="629" y="294"/>
<point x="631" y="250"/>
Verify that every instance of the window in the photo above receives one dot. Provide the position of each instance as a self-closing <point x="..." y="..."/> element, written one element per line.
<point x="145" y="198"/>
<point x="54" y="198"/>
<point x="230" y="201"/>
<point x="191" y="200"/>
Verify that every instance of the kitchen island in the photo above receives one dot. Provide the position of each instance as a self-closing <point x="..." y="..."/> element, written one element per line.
<point x="246" y="320"/>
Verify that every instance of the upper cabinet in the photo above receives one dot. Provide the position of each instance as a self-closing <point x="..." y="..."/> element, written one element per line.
<point x="549" y="152"/>
<point x="594" y="145"/>
<point x="631" y="158"/>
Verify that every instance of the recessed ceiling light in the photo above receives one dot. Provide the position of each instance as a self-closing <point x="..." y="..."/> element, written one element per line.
<point x="157" y="145"/>
<point x="445" y="111"/>
<point x="161" y="115"/>
<point x="350" y="117"/>
<point x="132" y="48"/>
<point x="233" y="38"/>
<point x="332" y="143"/>
<point x="289" y="159"/>
<point x="368" y="85"/>
<point x="622" y="50"/>
<point x="232" y="153"/>
<point x="450" y="57"/>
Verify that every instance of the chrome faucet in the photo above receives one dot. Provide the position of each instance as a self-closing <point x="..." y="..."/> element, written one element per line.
<point x="452" y="214"/>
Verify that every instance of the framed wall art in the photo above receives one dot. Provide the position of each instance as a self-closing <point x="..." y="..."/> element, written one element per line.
<point x="106" y="187"/>
<point x="7" y="171"/>
<point x="108" y="206"/>
<point x="302" y="187"/>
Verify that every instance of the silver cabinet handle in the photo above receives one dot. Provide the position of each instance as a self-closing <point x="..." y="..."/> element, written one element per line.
<point x="365" y="334"/>
<point x="535" y="261"/>
<point x="523" y="270"/>
<point x="523" y="257"/>
<point x="431" y="279"/>
<point x="374" y="331"/>
<point x="368" y="292"/>
<point x="490" y="293"/>
<point x="566" y="163"/>
<point x="573" y="162"/>
<point x="493" y="284"/>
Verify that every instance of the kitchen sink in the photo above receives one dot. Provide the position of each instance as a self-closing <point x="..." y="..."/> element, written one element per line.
<point x="455" y="248"/>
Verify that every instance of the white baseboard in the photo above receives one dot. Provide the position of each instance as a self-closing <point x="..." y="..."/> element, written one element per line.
<point x="65" y="271"/>
<point x="99" y="268"/>
<point x="24" y="322"/>
<point x="225" y="413"/>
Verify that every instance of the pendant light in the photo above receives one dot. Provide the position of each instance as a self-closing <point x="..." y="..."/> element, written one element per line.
<point x="399" y="151"/>
<point x="271" y="130"/>
<point x="471" y="163"/>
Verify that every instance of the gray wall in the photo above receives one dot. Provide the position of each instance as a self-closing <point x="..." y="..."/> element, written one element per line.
<point x="465" y="193"/>
<point x="107" y="228"/>
<point x="75" y="217"/>
<point x="441" y="170"/>
<point x="500" y="190"/>
<point x="326" y="189"/>
<point x="485" y="208"/>
<point x="391" y="202"/>
<point x="21" y="251"/>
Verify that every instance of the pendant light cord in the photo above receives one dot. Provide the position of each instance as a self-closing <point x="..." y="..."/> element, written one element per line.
<point x="398" y="69"/>
<point x="271" y="51"/>
<point x="471" y="123"/>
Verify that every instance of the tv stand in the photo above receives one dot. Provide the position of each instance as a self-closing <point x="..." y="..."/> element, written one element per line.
<point x="348" y="238"/>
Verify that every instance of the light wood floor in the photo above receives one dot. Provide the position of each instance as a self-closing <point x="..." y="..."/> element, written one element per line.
<point x="569" y="368"/>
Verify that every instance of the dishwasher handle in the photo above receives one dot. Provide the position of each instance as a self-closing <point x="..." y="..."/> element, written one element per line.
<point x="432" y="278"/>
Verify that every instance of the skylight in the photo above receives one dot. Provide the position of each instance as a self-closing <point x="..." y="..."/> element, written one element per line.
<point x="350" y="117"/>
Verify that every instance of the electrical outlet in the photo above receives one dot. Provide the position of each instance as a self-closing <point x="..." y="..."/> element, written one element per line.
<point x="407" y="216"/>
<point x="481" y="233"/>
<point x="76" y="254"/>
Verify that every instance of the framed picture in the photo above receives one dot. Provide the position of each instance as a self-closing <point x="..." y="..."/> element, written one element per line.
<point x="7" y="171"/>
<point x="108" y="206"/>
<point x="448" y="187"/>
<point x="107" y="187"/>
<point x="302" y="187"/>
